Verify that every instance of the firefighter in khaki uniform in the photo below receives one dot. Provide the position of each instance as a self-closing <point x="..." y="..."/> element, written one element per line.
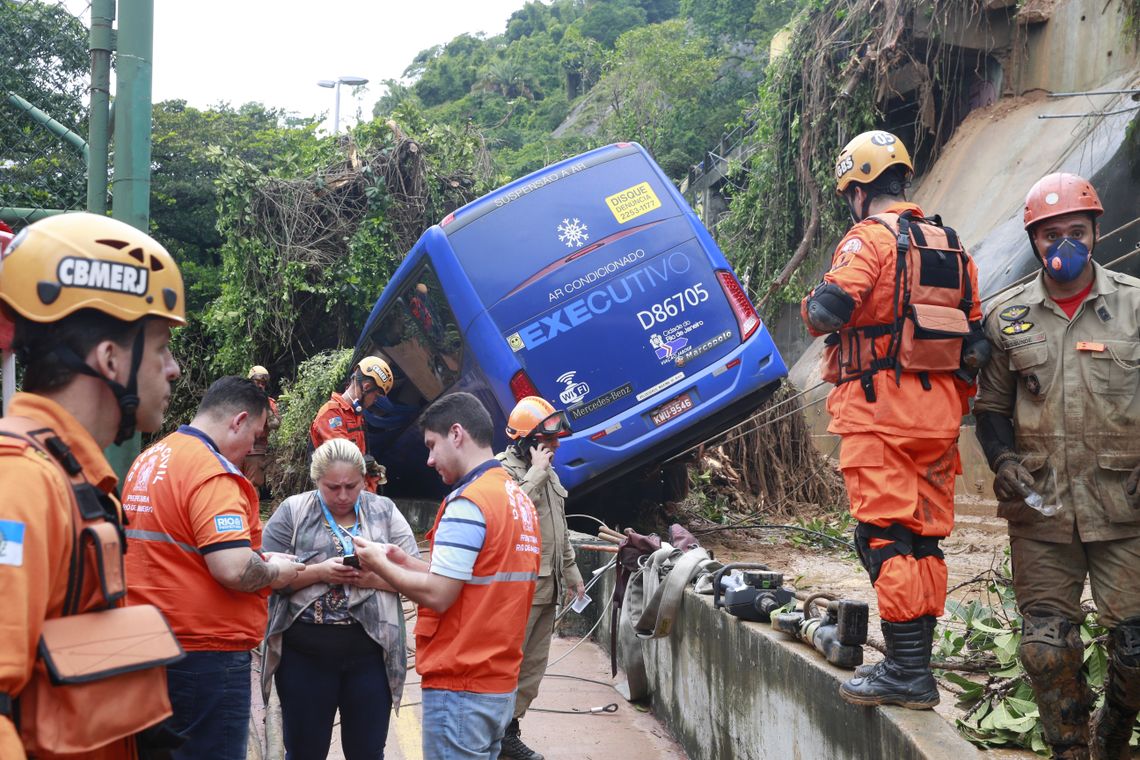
<point x="97" y="367"/>
<point x="342" y="416"/>
<point x="535" y="428"/>
<point x="900" y="307"/>
<point x="1058" y="414"/>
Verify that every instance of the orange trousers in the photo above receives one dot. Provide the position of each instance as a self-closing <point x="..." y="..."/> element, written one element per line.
<point x="909" y="482"/>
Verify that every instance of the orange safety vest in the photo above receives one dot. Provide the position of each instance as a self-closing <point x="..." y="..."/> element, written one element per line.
<point x="476" y="645"/>
<point x="933" y="298"/>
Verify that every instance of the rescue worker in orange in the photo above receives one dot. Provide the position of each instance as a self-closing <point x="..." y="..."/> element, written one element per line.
<point x="475" y="595"/>
<point x="900" y="309"/>
<point x="196" y="554"/>
<point x="1058" y="414"/>
<point x="254" y="465"/>
<point x="97" y="367"/>
<point x="342" y="416"/>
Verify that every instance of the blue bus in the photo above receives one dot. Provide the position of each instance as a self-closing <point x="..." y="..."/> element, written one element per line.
<point x="590" y="283"/>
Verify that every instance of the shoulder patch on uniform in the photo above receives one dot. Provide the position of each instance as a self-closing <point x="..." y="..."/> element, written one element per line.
<point x="1016" y="328"/>
<point x="852" y="246"/>
<point x="1125" y="279"/>
<point x="1014" y="313"/>
<point x="335" y="422"/>
<point x="228" y="523"/>
<point x="11" y="543"/>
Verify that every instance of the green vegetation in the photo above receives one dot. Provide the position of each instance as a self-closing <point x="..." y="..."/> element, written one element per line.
<point x="43" y="60"/>
<point x="981" y="637"/>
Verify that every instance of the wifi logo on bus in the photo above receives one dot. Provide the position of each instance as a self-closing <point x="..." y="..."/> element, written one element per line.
<point x="574" y="391"/>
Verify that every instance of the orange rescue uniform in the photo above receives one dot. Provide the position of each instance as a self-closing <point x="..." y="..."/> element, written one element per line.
<point x="186" y="500"/>
<point x="34" y="568"/>
<point x="899" y="453"/>
<point x="338" y="419"/>
<point x="476" y="645"/>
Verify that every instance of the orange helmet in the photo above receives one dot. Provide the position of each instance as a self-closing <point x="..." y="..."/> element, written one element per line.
<point x="867" y="156"/>
<point x="1058" y="194"/>
<point x="534" y="415"/>
<point x="64" y="263"/>
<point x="377" y="370"/>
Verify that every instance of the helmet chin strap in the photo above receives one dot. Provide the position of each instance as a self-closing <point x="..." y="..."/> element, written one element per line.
<point x="126" y="395"/>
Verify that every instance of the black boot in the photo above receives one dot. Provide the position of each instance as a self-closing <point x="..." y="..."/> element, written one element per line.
<point x="513" y="746"/>
<point x="904" y="677"/>
<point x="1112" y="724"/>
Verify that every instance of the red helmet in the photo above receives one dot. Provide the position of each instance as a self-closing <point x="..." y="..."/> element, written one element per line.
<point x="1059" y="194"/>
<point x="534" y="415"/>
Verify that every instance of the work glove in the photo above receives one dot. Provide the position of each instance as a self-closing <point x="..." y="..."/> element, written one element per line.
<point x="1012" y="481"/>
<point x="374" y="469"/>
<point x="1132" y="488"/>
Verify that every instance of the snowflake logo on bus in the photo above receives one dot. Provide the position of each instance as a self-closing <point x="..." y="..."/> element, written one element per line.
<point x="573" y="233"/>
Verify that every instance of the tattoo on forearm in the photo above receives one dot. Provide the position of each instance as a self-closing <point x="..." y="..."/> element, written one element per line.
<point x="257" y="574"/>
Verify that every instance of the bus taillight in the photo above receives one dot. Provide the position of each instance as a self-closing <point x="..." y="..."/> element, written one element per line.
<point x="522" y="386"/>
<point x="746" y="317"/>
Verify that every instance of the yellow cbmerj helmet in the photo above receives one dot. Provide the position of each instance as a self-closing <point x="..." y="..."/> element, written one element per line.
<point x="867" y="156"/>
<point x="376" y="369"/>
<point x="257" y="372"/>
<point x="64" y="263"/>
<point x="70" y="262"/>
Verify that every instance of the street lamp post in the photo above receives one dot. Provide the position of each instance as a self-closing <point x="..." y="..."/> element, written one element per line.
<point x="335" y="85"/>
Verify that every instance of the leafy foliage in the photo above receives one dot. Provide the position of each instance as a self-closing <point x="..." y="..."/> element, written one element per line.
<point x="43" y="60"/>
<point x="317" y="378"/>
<point x="831" y="83"/>
<point x="983" y="636"/>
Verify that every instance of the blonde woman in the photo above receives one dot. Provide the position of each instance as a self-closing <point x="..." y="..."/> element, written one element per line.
<point x="335" y="639"/>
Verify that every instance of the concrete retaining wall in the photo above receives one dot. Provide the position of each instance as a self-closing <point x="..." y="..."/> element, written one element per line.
<point x="728" y="689"/>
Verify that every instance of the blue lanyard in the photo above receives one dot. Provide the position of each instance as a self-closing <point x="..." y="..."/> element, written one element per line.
<point x="339" y="532"/>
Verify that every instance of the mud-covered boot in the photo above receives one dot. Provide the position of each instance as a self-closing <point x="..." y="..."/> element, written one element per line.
<point x="904" y="676"/>
<point x="513" y="746"/>
<point x="1052" y="653"/>
<point x="1112" y="725"/>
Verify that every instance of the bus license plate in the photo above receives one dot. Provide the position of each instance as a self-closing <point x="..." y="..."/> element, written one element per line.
<point x="671" y="409"/>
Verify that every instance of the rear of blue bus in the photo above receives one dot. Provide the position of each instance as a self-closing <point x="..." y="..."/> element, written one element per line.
<point x="605" y="295"/>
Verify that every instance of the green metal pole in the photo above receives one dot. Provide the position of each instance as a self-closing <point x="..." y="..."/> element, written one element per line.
<point x="130" y="189"/>
<point x="101" y="45"/>
<point x="131" y="184"/>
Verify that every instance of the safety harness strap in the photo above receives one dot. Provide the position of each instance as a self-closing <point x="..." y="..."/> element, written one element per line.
<point x="903" y="541"/>
<point x="97" y="529"/>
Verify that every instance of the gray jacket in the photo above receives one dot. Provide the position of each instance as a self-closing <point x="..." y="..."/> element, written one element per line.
<point x="298" y="527"/>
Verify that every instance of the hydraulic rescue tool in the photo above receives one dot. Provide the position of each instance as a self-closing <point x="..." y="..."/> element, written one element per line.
<point x="755" y="596"/>
<point x="839" y="635"/>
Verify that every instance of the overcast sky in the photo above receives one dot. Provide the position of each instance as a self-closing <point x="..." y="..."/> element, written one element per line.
<point x="274" y="51"/>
